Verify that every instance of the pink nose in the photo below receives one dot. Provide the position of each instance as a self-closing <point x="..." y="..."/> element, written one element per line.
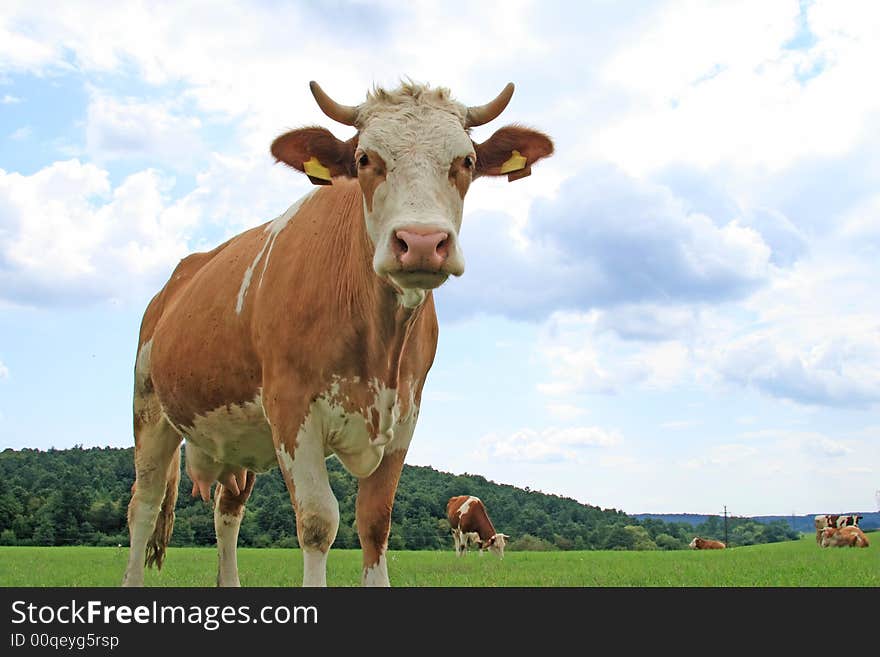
<point x="417" y="251"/>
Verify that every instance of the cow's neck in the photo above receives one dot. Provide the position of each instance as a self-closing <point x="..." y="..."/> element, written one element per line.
<point x="382" y="323"/>
<point x="486" y="531"/>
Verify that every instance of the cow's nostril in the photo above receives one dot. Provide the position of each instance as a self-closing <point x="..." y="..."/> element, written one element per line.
<point x="400" y="246"/>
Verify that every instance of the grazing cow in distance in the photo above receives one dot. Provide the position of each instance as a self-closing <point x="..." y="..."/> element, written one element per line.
<point x="826" y="520"/>
<point x="706" y="544"/>
<point x="470" y="523"/>
<point x="312" y="335"/>
<point x="849" y="536"/>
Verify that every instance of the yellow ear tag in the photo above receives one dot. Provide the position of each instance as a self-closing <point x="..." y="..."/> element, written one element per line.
<point x="314" y="169"/>
<point x="515" y="163"/>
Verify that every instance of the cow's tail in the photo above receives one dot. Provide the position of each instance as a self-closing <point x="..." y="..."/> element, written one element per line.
<point x="158" y="542"/>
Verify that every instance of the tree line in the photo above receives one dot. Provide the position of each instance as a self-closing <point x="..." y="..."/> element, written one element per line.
<point x="79" y="496"/>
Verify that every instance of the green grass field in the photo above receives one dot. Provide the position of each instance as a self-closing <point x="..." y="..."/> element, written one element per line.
<point x="795" y="563"/>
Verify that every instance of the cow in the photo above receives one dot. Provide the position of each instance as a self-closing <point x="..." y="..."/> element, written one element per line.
<point x="706" y="544"/>
<point x="848" y="536"/>
<point x="826" y="520"/>
<point x="311" y="335"/>
<point x="471" y="524"/>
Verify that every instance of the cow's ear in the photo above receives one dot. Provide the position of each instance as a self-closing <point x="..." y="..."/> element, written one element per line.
<point x="317" y="153"/>
<point x="511" y="151"/>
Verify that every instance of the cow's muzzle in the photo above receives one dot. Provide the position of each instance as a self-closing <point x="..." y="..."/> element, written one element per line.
<point x="423" y="257"/>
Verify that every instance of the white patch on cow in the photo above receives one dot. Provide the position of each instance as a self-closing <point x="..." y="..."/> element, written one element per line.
<point x="411" y="297"/>
<point x="467" y="503"/>
<point x="142" y="363"/>
<point x="285" y="460"/>
<point x="376" y="575"/>
<point x="142" y="521"/>
<point x="141" y="375"/>
<point x="235" y="435"/>
<point x="348" y="434"/>
<point x="274" y="227"/>
<point x="226" y="525"/>
<point x="314" y="568"/>
<point x="314" y="497"/>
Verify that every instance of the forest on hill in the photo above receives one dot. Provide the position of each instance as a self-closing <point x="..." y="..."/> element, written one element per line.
<point x="79" y="496"/>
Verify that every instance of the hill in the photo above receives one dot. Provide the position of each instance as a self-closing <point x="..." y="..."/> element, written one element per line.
<point x="79" y="497"/>
<point x="870" y="519"/>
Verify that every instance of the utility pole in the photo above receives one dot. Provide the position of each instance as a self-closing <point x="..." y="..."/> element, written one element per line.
<point x="725" y="525"/>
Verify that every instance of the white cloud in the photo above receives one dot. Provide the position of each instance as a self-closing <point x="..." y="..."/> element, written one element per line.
<point x="22" y="133"/>
<point x="861" y="224"/>
<point x="812" y="336"/>
<point x="9" y="99"/>
<point x="724" y="455"/>
<point x="117" y="128"/>
<point x="69" y="236"/>
<point x="563" y="411"/>
<point x="748" y="99"/>
<point x="584" y="353"/>
<point x="679" y="424"/>
<point x="606" y="239"/>
<point x="4" y="371"/>
<point x="549" y="445"/>
<point x="22" y="52"/>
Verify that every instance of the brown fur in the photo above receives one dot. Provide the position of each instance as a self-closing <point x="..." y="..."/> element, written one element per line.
<point x="358" y="332"/>
<point x="375" y="499"/>
<point x="847" y="536"/>
<point x="461" y="175"/>
<point x="496" y="150"/>
<point x="299" y="146"/>
<point x="371" y="175"/>
<point x="231" y="504"/>
<point x="314" y="314"/>
<point x="822" y="522"/>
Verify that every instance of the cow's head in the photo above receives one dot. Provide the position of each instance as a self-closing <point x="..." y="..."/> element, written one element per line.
<point x="414" y="160"/>
<point x="496" y="544"/>
<point x="694" y="543"/>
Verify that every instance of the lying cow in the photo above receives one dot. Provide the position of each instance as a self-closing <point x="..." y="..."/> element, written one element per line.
<point x="706" y="544"/>
<point x="470" y="524"/>
<point x="850" y="536"/>
<point x="827" y="520"/>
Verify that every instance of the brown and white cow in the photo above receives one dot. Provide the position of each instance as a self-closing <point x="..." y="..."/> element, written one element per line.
<point x="471" y="524"/>
<point x="706" y="544"/>
<point x="827" y="520"/>
<point x="312" y="334"/>
<point x="848" y="536"/>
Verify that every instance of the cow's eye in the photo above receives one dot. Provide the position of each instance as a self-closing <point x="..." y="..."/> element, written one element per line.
<point x="468" y="162"/>
<point x="363" y="160"/>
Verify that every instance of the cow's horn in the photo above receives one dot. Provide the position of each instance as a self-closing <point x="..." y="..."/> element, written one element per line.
<point x="346" y="114"/>
<point x="485" y="113"/>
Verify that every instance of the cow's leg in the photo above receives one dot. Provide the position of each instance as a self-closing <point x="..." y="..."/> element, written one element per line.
<point x="317" y="511"/>
<point x="228" y="512"/>
<point x="374" y="502"/>
<point x="157" y="472"/>
<point x="456" y="537"/>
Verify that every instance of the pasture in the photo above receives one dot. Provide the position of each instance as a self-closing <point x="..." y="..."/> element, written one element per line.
<point x="790" y="564"/>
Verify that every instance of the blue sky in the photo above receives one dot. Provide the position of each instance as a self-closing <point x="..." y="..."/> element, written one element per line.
<point x="676" y="312"/>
